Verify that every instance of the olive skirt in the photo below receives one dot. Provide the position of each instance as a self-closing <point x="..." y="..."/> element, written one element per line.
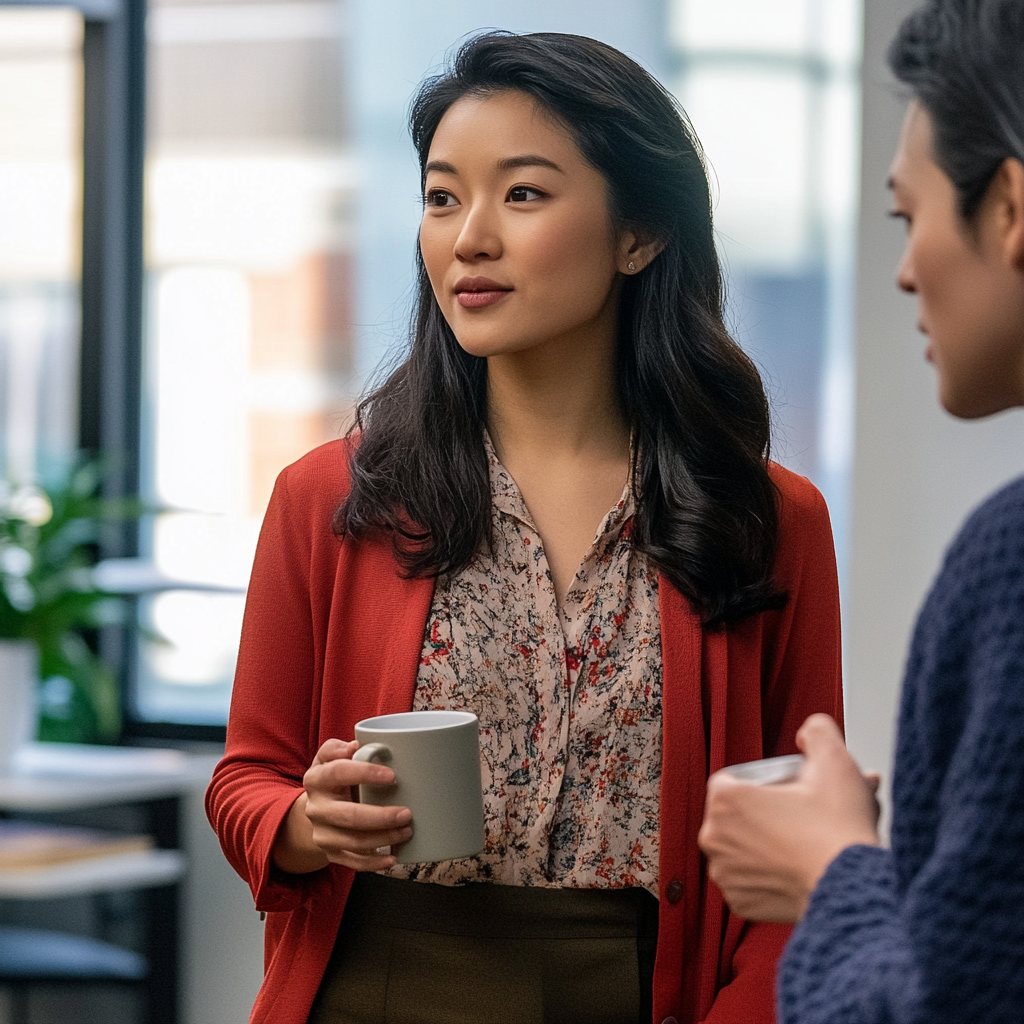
<point x="419" y="953"/>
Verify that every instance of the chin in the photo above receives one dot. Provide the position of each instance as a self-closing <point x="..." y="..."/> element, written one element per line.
<point x="976" y="407"/>
<point x="481" y="350"/>
<point x="487" y="347"/>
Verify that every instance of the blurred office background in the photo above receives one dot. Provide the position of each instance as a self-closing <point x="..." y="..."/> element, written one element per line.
<point x="207" y="219"/>
<point x="277" y="227"/>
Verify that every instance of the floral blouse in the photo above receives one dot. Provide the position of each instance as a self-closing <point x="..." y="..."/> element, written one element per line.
<point x="569" y="702"/>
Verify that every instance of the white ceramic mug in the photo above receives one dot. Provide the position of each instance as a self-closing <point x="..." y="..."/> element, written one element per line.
<point x="435" y="756"/>
<point x="768" y="771"/>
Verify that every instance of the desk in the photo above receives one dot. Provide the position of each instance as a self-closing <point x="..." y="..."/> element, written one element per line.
<point x="51" y="778"/>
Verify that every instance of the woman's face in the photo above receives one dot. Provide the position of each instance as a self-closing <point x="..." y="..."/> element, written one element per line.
<point x="968" y="282"/>
<point x="516" y="235"/>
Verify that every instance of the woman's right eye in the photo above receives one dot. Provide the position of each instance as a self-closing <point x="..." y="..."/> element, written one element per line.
<point x="439" y="197"/>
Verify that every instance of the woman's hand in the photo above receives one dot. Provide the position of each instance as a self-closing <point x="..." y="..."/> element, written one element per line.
<point x="326" y="826"/>
<point x="767" y="846"/>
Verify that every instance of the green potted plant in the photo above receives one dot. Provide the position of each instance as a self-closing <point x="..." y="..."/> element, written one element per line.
<point x="50" y="603"/>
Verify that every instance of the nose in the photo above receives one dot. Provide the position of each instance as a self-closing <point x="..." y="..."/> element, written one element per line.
<point x="479" y="238"/>
<point x="905" y="273"/>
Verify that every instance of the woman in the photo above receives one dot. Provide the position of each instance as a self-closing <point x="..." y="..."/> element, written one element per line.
<point x="557" y="513"/>
<point x="933" y="930"/>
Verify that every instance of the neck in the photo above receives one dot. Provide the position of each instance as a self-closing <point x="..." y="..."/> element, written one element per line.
<point x="556" y="401"/>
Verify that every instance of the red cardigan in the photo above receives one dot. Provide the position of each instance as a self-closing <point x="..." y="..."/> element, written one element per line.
<point x="332" y="634"/>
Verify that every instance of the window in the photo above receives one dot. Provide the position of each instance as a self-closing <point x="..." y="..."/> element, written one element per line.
<point x="773" y="93"/>
<point x="237" y="208"/>
<point x="248" y="354"/>
<point x="40" y="238"/>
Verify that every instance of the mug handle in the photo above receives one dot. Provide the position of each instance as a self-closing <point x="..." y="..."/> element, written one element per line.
<point x="375" y="753"/>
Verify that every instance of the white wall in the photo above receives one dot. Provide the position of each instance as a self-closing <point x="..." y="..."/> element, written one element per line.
<point x="917" y="471"/>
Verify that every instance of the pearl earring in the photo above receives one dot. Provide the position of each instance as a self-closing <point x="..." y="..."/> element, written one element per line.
<point x="631" y="266"/>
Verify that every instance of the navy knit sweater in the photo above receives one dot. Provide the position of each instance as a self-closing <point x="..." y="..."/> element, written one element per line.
<point x="933" y="930"/>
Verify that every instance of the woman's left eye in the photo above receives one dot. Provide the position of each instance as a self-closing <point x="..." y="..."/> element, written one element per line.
<point x="523" y="194"/>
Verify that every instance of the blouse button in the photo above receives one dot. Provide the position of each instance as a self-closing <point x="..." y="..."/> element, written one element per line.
<point x="670" y="1020"/>
<point x="673" y="893"/>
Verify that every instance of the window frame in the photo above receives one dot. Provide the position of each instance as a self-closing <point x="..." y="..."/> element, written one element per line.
<point x="112" y="297"/>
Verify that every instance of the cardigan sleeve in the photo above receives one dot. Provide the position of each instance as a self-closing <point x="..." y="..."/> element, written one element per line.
<point x="270" y="727"/>
<point x="933" y="931"/>
<point x="802" y="648"/>
<point x="801" y="673"/>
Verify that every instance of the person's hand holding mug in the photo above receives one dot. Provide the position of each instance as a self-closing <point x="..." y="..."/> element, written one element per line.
<point x="327" y="826"/>
<point x="767" y="846"/>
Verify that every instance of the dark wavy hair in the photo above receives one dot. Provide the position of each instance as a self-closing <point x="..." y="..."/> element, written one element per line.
<point x="964" y="62"/>
<point x="706" y="512"/>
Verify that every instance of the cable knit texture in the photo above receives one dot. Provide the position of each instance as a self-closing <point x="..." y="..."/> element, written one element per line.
<point x="933" y="931"/>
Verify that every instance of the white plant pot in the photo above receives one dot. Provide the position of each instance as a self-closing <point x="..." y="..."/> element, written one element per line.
<point x="19" y="674"/>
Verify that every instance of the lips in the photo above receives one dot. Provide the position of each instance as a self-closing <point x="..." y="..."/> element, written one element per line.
<point x="478" y="292"/>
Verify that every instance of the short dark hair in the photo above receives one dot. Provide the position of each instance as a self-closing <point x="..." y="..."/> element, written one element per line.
<point x="964" y="62"/>
<point x="706" y="505"/>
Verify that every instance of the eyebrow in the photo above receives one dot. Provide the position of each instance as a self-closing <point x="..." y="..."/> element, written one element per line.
<point x="511" y="163"/>
<point x="441" y="166"/>
<point x="530" y="160"/>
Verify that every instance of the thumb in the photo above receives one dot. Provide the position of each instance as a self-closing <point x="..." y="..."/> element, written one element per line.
<point x="819" y="738"/>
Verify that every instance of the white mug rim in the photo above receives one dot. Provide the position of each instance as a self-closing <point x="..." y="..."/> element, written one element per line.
<point x="396" y="723"/>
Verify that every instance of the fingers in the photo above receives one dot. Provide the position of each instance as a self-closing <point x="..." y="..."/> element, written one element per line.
<point x="362" y="843"/>
<point x="722" y="781"/>
<point x="351" y="833"/>
<point x="739" y="862"/>
<point x="723" y="803"/>
<point x="819" y="734"/>
<point x="826" y="755"/>
<point x="334" y="771"/>
<point x="347" y="816"/>
<point x="716" y="804"/>
<point x="377" y="862"/>
<point x="333" y="749"/>
<point x="767" y="846"/>
<point x="708" y="841"/>
<point x="346" y="846"/>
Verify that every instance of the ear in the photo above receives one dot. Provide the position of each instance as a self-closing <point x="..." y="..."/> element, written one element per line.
<point x="636" y="250"/>
<point x="1008" y="190"/>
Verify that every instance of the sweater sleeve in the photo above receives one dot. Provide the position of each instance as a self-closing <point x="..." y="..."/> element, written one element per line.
<point x="270" y="725"/>
<point x="933" y="932"/>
